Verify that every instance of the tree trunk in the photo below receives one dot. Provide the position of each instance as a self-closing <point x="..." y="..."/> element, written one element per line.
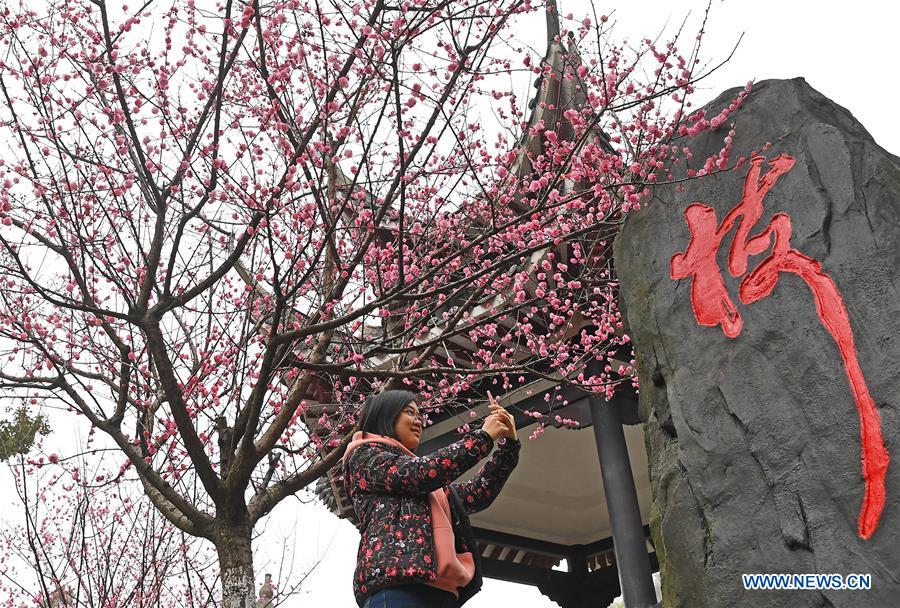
<point x="236" y="565"/>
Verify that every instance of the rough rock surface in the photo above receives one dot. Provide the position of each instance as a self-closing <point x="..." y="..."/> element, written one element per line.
<point x="754" y="441"/>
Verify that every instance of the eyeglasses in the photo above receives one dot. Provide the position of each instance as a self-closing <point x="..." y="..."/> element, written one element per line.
<point x="413" y="413"/>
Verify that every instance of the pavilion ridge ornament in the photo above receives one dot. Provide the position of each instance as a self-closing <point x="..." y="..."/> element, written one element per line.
<point x="713" y="306"/>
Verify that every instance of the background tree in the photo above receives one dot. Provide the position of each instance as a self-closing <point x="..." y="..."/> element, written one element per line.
<point x="78" y="541"/>
<point x="18" y="434"/>
<point x="214" y="218"/>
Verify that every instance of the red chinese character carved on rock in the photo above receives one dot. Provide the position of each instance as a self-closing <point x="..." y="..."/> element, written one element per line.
<point x="713" y="306"/>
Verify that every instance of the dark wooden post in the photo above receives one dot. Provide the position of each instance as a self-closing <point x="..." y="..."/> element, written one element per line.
<point x="635" y="576"/>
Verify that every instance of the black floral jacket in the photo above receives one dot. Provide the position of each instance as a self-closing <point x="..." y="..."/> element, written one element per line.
<point x="389" y="492"/>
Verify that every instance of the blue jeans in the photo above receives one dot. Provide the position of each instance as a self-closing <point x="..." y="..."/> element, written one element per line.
<point x="411" y="596"/>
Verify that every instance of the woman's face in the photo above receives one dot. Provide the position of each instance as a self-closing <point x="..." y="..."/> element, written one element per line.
<point x="408" y="426"/>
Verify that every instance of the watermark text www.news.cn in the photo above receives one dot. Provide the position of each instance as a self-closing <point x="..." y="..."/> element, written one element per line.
<point x="801" y="582"/>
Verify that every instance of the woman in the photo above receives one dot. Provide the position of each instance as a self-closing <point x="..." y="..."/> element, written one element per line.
<point x="417" y="548"/>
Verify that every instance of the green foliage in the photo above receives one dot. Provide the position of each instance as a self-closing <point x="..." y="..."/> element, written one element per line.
<point x="18" y="434"/>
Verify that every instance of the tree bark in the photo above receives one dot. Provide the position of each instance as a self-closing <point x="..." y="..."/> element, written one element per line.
<point x="236" y="565"/>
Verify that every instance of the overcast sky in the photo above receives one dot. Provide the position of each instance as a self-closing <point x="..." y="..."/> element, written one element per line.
<point x="846" y="51"/>
<point x="848" y="55"/>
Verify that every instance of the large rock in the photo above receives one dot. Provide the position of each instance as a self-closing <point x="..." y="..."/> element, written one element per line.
<point x="754" y="440"/>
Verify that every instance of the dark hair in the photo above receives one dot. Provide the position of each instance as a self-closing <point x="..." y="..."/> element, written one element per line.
<point x="379" y="412"/>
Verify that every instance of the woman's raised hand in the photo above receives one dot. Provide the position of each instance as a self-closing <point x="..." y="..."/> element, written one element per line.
<point x="495" y="426"/>
<point x="502" y="417"/>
